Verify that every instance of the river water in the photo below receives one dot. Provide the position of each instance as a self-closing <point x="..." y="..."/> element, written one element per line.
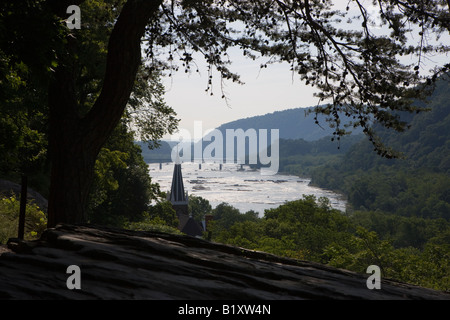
<point x="241" y="187"/>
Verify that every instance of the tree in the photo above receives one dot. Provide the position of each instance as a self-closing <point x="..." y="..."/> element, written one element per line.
<point x="163" y="213"/>
<point x="198" y="207"/>
<point x="23" y="139"/>
<point x="358" y="71"/>
<point x="226" y="215"/>
<point x="86" y="56"/>
<point x="72" y="134"/>
<point x="122" y="189"/>
<point x="161" y="218"/>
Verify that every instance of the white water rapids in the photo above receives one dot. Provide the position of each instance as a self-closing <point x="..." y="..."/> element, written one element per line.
<point x="244" y="189"/>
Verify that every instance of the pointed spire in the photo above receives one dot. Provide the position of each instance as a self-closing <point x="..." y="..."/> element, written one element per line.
<point x="177" y="193"/>
<point x="179" y="200"/>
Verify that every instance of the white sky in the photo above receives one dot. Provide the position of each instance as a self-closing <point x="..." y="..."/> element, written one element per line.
<point x="265" y="90"/>
<point x="271" y="89"/>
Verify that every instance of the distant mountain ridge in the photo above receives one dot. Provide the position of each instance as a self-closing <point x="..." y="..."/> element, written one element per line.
<point x="295" y="123"/>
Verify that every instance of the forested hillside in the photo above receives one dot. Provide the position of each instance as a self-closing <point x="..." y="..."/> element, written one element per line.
<point x="300" y="157"/>
<point x="418" y="184"/>
<point x="295" y="123"/>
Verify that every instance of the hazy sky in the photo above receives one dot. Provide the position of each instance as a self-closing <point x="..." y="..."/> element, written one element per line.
<point x="265" y="90"/>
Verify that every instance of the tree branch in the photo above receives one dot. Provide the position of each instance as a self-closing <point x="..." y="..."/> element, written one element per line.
<point x="123" y="60"/>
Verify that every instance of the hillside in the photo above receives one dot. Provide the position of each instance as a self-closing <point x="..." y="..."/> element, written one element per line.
<point x="417" y="184"/>
<point x="117" y="264"/>
<point x="160" y="154"/>
<point x="425" y="145"/>
<point x="295" y="123"/>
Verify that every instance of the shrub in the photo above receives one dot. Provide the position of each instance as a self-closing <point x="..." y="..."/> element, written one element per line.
<point x="35" y="220"/>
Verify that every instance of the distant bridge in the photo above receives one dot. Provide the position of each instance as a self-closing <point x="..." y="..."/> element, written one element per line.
<point x="195" y="160"/>
<point x="220" y="165"/>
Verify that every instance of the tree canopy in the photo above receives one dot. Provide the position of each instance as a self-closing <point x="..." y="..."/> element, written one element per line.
<point x="81" y="80"/>
<point x="360" y="71"/>
<point x="413" y="250"/>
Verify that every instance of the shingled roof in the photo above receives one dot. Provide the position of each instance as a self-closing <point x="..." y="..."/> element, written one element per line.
<point x="189" y="226"/>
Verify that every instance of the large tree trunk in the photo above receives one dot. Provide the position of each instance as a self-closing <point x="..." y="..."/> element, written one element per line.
<point x="71" y="155"/>
<point x="71" y="177"/>
<point x="75" y="141"/>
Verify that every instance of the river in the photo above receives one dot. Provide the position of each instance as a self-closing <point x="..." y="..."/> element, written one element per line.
<point x="244" y="189"/>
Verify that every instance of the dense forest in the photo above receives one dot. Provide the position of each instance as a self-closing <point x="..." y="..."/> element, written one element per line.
<point x="415" y="185"/>
<point x="413" y="250"/>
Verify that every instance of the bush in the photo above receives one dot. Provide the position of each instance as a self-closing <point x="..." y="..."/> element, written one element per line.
<point x="153" y="224"/>
<point x="35" y="220"/>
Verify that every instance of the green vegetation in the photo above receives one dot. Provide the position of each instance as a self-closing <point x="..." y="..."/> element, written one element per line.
<point x="417" y="185"/>
<point x="299" y="157"/>
<point x="160" y="218"/>
<point x="122" y="188"/>
<point x="398" y="214"/>
<point x="117" y="183"/>
<point x="35" y="220"/>
<point x="198" y="207"/>
<point x="309" y="229"/>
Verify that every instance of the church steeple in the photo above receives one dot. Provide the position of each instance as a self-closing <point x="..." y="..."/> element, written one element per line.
<point x="177" y="193"/>
<point x="179" y="200"/>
